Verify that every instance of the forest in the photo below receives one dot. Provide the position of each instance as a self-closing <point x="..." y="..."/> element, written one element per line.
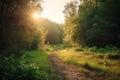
<point x="85" y="47"/>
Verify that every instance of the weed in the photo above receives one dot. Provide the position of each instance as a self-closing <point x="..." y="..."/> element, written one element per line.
<point x="34" y="65"/>
<point x="101" y="62"/>
<point x="113" y="56"/>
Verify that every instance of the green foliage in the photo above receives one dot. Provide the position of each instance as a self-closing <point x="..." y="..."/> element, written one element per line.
<point x="97" y="49"/>
<point x="70" y="13"/>
<point x="40" y="59"/>
<point x="16" y="24"/>
<point x="104" y="63"/>
<point x="33" y="65"/>
<point x="70" y="9"/>
<point x="59" y="46"/>
<point x="54" y="31"/>
<point x="15" y="69"/>
<point x="113" y="56"/>
<point x="97" y="23"/>
<point x="39" y="37"/>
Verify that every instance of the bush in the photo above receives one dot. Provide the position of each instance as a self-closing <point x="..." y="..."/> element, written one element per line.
<point x="79" y="49"/>
<point x="93" y="49"/>
<point x="113" y="56"/>
<point x="105" y="49"/>
<point x="16" y="69"/>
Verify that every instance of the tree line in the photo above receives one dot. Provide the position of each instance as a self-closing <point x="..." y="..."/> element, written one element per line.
<point x="20" y="31"/>
<point x="92" y="22"/>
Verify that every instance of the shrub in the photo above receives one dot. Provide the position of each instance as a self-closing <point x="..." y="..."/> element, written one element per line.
<point x="101" y="56"/>
<point x="16" y="69"/>
<point x="86" y="65"/>
<point x="79" y="49"/>
<point x="113" y="56"/>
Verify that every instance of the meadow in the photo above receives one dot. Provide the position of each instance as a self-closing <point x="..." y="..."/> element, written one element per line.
<point x="104" y="62"/>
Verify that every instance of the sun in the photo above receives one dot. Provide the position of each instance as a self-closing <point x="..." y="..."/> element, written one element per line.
<point x="36" y="15"/>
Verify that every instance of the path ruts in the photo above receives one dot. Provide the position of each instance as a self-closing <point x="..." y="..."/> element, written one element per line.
<point x="66" y="71"/>
<point x="69" y="72"/>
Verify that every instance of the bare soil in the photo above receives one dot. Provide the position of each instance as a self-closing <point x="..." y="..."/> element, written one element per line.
<point x="69" y="72"/>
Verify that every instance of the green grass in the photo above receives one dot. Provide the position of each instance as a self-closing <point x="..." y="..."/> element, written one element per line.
<point x="40" y="58"/>
<point x="59" y="46"/>
<point x="33" y="65"/>
<point x="55" y="47"/>
<point x="106" y="64"/>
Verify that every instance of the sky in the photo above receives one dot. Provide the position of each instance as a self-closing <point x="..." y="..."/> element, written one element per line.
<point x="53" y="10"/>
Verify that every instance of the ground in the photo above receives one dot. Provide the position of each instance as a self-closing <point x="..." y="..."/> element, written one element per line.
<point x="69" y="72"/>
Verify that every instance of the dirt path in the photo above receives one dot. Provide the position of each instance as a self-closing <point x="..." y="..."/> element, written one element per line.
<point x="65" y="71"/>
<point x="68" y="72"/>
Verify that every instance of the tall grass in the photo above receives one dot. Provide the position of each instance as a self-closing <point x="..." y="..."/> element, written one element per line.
<point x="96" y="49"/>
<point x="105" y="63"/>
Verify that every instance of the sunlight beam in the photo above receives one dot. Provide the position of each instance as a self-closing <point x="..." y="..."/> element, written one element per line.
<point x="36" y="15"/>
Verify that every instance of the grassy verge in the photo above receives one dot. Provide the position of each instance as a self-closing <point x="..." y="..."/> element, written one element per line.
<point x="40" y="59"/>
<point x="33" y="65"/>
<point x="106" y="64"/>
<point x="55" y="47"/>
<point x="59" y="46"/>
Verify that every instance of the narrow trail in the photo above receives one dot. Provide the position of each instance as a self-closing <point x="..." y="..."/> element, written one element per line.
<point x="65" y="71"/>
<point x="68" y="72"/>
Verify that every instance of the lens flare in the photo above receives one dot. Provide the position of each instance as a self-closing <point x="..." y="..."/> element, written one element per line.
<point x="36" y="15"/>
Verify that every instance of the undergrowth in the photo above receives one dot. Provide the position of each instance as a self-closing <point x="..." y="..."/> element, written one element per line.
<point x="100" y="61"/>
<point x="33" y="65"/>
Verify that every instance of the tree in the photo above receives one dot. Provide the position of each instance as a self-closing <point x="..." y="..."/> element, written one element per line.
<point x="54" y="31"/>
<point x="70" y="13"/>
<point x="15" y="23"/>
<point x="97" y="23"/>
